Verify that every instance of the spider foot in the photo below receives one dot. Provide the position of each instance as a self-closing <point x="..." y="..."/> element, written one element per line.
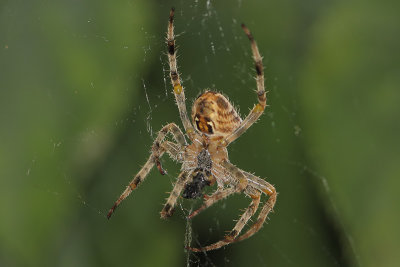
<point x="111" y="211"/>
<point x="214" y="246"/>
<point x="159" y="167"/>
<point x="167" y="211"/>
<point x="196" y="212"/>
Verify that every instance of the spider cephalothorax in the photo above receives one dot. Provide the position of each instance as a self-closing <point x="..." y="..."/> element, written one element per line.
<point x="205" y="160"/>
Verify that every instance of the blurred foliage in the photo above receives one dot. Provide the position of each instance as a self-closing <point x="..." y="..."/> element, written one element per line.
<point x="84" y="89"/>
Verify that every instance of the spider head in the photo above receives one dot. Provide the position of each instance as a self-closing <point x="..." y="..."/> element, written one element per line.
<point x="214" y="115"/>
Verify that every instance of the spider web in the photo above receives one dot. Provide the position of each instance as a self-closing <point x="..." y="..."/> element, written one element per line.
<point x="213" y="53"/>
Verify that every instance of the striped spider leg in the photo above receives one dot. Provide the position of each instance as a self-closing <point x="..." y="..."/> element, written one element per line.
<point x="258" y="109"/>
<point x="254" y="186"/>
<point x="175" y="79"/>
<point x="159" y="147"/>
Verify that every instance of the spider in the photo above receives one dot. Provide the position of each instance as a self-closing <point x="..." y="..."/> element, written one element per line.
<point x="205" y="161"/>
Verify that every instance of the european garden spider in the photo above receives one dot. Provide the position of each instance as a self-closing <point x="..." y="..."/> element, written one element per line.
<point x="205" y="161"/>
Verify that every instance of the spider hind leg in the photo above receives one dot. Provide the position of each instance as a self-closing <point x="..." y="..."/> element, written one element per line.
<point x="233" y="234"/>
<point x="159" y="147"/>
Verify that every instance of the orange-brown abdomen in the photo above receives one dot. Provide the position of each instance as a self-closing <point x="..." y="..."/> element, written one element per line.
<point x="213" y="114"/>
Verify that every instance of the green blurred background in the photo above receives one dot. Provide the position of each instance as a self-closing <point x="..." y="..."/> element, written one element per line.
<point x="84" y="88"/>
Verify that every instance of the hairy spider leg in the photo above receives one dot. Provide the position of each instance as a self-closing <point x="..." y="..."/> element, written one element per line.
<point x="258" y="109"/>
<point x="178" y="136"/>
<point x="242" y="184"/>
<point x="255" y="183"/>
<point x="261" y="186"/>
<point x="158" y="150"/>
<point x="168" y="209"/>
<point x="173" y="150"/>
<point x="139" y="177"/>
<point x="224" y="193"/>
<point x="175" y="80"/>
<point x="249" y="212"/>
<point x="266" y="209"/>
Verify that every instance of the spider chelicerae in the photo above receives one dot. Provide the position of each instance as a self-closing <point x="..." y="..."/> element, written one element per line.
<point x="205" y="161"/>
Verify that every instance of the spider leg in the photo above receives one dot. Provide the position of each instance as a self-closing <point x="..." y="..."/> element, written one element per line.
<point x="175" y="80"/>
<point x="168" y="209"/>
<point x="139" y="177"/>
<point x="249" y="212"/>
<point x="269" y="190"/>
<point x="178" y="136"/>
<point x="144" y="171"/>
<point x="214" y="198"/>
<point x="224" y="193"/>
<point x="258" y="109"/>
<point x="174" y="150"/>
<point x="255" y="186"/>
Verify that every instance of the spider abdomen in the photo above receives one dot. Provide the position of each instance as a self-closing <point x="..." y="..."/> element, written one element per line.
<point x="213" y="114"/>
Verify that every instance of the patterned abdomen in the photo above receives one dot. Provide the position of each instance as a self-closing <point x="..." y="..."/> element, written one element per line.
<point x="214" y="115"/>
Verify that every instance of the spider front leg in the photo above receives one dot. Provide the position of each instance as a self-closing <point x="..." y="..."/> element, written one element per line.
<point x="258" y="109"/>
<point x="175" y="80"/>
